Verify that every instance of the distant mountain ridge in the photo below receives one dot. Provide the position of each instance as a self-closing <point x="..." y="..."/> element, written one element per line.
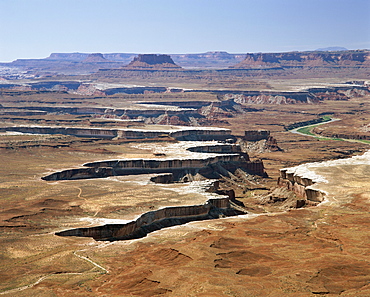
<point x="84" y="63"/>
<point x="79" y="57"/>
<point x="212" y="59"/>
<point x="332" y="49"/>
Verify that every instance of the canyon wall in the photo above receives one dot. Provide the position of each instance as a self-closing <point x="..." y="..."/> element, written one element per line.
<point x="300" y="185"/>
<point x="211" y="167"/>
<point x="133" y="164"/>
<point x="156" y="220"/>
<point x="185" y="134"/>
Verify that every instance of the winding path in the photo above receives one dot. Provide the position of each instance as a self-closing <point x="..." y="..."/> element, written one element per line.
<point x="295" y="131"/>
<point x="51" y="274"/>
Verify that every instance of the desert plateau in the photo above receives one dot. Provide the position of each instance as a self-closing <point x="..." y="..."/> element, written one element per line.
<point x="203" y="175"/>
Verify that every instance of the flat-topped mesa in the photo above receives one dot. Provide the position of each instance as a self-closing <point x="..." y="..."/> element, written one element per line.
<point x="95" y="58"/>
<point x="152" y="62"/>
<point x="306" y="59"/>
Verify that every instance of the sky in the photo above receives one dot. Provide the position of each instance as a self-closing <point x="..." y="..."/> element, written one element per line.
<point x="37" y="28"/>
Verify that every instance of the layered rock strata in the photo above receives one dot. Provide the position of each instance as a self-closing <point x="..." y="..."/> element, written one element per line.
<point x="210" y="167"/>
<point x="301" y="185"/>
<point x="156" y="220"/>
<point x="176" y="132"/>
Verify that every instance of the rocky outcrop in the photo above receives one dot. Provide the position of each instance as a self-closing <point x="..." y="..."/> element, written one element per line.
<point x="301" y="186"/>
<point x="271" y="144"/>
<point x="153" y="62"/>
<point x="258" y="141"/>
<point x="256" y="97"/>
<point x="256" y="135"/>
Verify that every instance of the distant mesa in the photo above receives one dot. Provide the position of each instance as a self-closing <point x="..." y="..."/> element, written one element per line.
<point x="152" y="62"/>
<point x="67" y="56"/>
<point x="95" y="58"/>
<point x="305" y="59"/>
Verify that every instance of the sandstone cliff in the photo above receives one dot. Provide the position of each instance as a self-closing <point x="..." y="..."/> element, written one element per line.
<point x="156" y="220"/>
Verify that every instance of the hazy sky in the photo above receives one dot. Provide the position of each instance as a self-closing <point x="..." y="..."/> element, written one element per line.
<point x="36" y="28"/>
